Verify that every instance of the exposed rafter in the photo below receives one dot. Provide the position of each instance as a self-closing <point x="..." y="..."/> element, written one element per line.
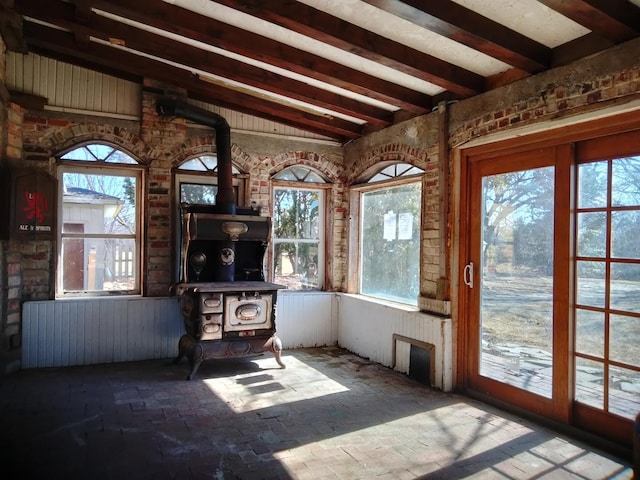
<point x="336" y="68"/>
<point x="62" y="14"/>
<point x="338" y="33"/>
<point x="55" y="42"/>
<point x="170" y="18"/>
<point x="615" y="20"/>
<point x="465" y="26"/>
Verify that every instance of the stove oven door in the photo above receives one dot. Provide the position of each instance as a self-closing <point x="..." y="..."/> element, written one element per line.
<point x="247" y="312"/>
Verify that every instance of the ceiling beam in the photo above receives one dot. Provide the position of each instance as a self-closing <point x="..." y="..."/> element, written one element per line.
<point x="11" y="27"/>
<point x="615" y="20"/>
<point x="53" y="42"/>
<point x="469" y="28"/>
<point x="62" y="14"/>
<point x="339" y="33"/>
<point x="163" y="15"/>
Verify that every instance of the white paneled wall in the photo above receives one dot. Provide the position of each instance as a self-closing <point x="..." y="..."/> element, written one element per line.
<point x="307" y="319"/>
<point x="89" y="331"/>
<point x="366" y="327"/>
<point x="66" y="86"/>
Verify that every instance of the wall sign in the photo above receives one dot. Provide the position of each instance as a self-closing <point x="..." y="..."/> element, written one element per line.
<point x="31" y="205"/>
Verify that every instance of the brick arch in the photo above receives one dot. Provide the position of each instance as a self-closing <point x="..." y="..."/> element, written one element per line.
<point x="195" y="146"/>
<point x="70" y="136"/>
<point x="384" y="155"/>
<point x="328" y="169"/>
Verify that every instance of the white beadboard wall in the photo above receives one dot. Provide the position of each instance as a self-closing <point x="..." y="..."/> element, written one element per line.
<point x="307" y="319"/>
<point x="89" y="331"/>
<point x="67" y="86"/>
<point x="366" y="327"/>
<point x="68" y="332"/>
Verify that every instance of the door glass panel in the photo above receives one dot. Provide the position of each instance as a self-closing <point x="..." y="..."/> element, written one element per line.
<point x="608" y="370"/>
<point x="592" y="234"/>
<point x="591" y="283"/>
<point x="516" y="296"/>
<point x="624" y="338"/>
<point x="592" y="188"/>
<point x="624" y="392"/>
<point x="625" y="230"/>
<point x="625" y="287"/>
<point x="590" y="382"/>
<point x="590" y="333"/>
<point x="624" y="190"/>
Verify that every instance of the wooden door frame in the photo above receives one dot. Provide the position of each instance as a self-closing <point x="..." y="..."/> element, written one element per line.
<point x="562" y="137"/>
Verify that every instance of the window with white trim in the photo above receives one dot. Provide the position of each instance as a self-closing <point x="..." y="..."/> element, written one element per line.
<point x="390" y="220"/>
<point x="298" y="228"/>
<point x="99" y="247"/>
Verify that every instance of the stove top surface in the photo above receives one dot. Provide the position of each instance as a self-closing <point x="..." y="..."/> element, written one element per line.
<point x="244" y="286"/>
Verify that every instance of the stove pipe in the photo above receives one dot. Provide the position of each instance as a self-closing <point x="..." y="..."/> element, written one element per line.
<point x="225" y="197"/>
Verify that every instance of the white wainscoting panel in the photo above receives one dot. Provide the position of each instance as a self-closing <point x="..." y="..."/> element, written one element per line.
<point x="89" y="331"/>
<point x="307" y="319"/>
<point x="366" y="328"/>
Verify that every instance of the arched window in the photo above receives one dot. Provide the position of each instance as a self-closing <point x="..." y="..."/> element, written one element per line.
<point x="298" y="228"/>
<point x="197" y="180"/>
<point x="99" y="234"/>
<point x="390" y="205"/>
<point x="396" y="170"/>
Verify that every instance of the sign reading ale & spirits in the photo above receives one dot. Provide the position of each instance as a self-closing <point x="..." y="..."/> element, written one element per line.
<point x="31" y="205"/>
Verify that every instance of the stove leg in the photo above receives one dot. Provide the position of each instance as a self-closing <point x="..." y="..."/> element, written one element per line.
<point x="276" y="348"/>
<point x="182" y="349"/>
<point x="196" y="356"/>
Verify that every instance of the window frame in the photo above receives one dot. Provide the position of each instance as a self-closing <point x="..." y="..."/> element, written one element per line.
<point x="323" y="234"/>
<point x="356" y="194"/>
<point x="98" y="167"/>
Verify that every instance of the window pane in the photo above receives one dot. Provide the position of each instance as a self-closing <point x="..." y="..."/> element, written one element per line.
<point x="102" y="203"/>
<point x="624" y="191"/>
<point x="297" y="230"/>
<point x="516" y="286"/>
<point x="590" y="382"/>
<point x="624" y="338"/>
<point x="296" y="264"/>
<point x="625" y="234"/>
<point x="119" y="156"/>
<point x="625" y="285"/>
<point x="390" y="249"/>
<point x="592" y="188"/>
<point x="592" y="234"/>
<point x="591" y="284"/>
<point x="210" y="162"/>
<point x="98" y="264"/>
<point x="81" y="154"/>
<point x="193" y="164"/>
<point x="296" y="214"/>
<point x="624" y="392"/>
<point x="590" y="333"/>
<point x="198" y="193"/>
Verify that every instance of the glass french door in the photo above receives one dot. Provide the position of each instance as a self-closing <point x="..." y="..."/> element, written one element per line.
<point x="515" y="259"/>
<point x="552" y="282"/>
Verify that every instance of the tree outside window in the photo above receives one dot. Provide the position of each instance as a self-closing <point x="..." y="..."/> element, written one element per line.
<point x="99" y="236"/>
<point x="298" y="225"/>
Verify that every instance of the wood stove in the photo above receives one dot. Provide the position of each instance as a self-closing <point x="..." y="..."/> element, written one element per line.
<point x="228" y="308"/>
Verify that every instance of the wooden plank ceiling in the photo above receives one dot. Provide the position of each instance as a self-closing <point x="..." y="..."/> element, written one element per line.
<point x="338" y="68"/>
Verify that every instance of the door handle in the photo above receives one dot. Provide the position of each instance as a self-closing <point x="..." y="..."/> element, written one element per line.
<point x="467" y="275"/>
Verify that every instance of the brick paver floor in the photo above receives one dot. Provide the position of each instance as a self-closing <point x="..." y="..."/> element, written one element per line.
<point x="329" y="415"/>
